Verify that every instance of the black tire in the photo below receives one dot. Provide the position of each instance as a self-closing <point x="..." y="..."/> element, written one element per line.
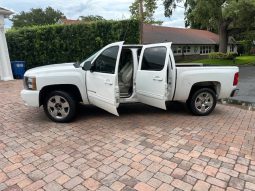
<point x="193" y="103"/>
<point x="63" y="110"/>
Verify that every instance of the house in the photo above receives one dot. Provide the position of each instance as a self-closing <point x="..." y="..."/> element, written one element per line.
<point x="191" y="43"/>
<point x="64" y="21"/>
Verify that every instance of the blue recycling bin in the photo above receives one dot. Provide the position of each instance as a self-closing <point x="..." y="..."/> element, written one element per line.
<point x="18" y="69"/>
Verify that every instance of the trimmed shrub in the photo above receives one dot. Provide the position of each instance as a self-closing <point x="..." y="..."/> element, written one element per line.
<point x="216" y="55"/>
<point x="220" y="55"/>
<point x="231" y="55"/>
<point x="42" y="45"/>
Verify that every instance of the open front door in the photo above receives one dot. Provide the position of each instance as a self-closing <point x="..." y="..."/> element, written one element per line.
<point x="151" y="79"/>
<point x="102" y="80"/>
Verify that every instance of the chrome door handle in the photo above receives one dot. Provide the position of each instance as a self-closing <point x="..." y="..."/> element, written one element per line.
<point x="157" y="78"/>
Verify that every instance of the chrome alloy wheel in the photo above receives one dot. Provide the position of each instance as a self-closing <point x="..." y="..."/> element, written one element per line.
<point x="58" y="107"/>
<point x="204" y="102"/>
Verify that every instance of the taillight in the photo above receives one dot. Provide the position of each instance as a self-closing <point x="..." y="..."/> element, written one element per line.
<point x="236" y="78"/>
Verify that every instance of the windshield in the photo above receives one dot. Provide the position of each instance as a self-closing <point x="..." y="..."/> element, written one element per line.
<point x="91" y="57"/>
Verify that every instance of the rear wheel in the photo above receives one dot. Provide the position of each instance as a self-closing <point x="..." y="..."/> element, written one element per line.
<point x="202" y="102"/>
<point x="60" y="106"/>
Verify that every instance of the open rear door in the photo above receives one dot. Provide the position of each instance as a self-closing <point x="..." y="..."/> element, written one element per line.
<point x="102" y="80"/>
<point x="151" y="79"/>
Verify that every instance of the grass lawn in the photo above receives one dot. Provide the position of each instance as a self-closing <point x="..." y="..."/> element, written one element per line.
<point x="239" y="61"/>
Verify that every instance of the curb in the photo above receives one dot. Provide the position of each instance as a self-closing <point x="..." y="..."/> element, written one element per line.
<point x="243" y="104"/>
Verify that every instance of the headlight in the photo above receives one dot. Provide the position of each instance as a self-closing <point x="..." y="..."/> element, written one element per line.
<point x="30" y="83"/>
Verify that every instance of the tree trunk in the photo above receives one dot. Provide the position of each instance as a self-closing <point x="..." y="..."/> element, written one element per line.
<point x="223" y="37"/>
<point x="141" y="20"/>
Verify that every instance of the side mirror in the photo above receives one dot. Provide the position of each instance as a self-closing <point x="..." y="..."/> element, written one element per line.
<point x="87" y="66"/>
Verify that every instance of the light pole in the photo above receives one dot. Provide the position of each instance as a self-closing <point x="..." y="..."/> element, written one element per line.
<point x="141" y="20"/>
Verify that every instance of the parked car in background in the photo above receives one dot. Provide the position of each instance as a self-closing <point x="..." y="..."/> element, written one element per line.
<point x="119" y="74"/>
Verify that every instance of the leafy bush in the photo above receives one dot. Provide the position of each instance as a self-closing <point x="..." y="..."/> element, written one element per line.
<point x="231" y="55"/>
<point x="220" y="55"/>
<point x="216" y="55"/>
<point x="42" y="45"/>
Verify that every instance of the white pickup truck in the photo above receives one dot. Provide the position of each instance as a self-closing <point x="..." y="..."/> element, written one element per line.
<point x="121" y="73"/>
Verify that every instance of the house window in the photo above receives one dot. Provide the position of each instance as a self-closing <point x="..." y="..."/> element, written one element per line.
<point x="179" y="50"/>
<point x="186" y="49"/>
<point x="205" y="49"/>
<point x="174" y="50"/>
<point x="196" y="49"/>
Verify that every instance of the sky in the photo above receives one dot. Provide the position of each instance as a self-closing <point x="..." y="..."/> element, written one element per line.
<point x="109" y="9"/>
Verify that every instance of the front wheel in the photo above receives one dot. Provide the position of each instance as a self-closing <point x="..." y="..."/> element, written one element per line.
<point x="60" y="106"/>
<point x="202" y="102"/>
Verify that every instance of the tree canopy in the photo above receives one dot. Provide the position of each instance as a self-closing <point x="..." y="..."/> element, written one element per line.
<point x="91" y="18"/>
<point x="220" y="16"/>
<point x="149" y="7"/>
<point x="208" y="14"/>
<point x="37" y="17"/>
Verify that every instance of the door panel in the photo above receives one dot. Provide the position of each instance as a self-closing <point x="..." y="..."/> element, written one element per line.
<point x="171" y="77"/>
<point x="102" y="85"/>
<point x="151" y="80"/>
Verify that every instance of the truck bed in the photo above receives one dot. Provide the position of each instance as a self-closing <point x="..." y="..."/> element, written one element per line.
<point x="189" y="65"/>
<point x="189" y="74"/>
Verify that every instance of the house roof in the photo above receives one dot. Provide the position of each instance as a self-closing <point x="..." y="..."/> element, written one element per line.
<point x="5" y="12"/>
<point x="68" y="21"/>
<point x="157" y="34"/>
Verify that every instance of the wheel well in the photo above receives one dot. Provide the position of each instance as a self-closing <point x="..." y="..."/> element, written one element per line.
<point x="215" y="86"/>
<point x="69" y="88"/>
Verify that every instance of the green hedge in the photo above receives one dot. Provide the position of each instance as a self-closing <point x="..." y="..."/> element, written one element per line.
<point x="220" y="55"/>
<point x="67" y="43"/>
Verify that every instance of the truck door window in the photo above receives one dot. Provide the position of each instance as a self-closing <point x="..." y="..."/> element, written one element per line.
<point x="106" y="61"/>
<point x="154" y="58"/>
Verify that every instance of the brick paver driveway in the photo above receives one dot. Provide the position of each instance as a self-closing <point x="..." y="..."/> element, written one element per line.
<point x="143" y="149"/>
